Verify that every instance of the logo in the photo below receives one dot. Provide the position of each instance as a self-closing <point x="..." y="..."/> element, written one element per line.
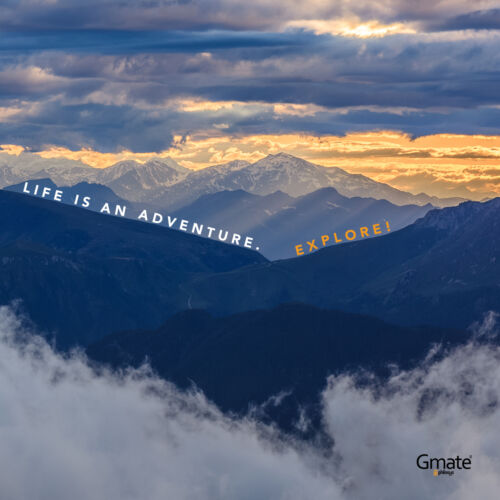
<point x="443" y="466"/>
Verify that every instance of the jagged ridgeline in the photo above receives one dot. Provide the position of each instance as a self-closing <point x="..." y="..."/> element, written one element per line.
<point x="163" y="182"/>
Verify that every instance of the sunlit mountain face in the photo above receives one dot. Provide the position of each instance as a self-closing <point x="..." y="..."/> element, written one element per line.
<point x="403" y="92"/>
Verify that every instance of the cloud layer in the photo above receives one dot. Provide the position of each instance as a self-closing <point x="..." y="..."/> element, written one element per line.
<point x="110" y="75"/>
<point x="67" y="432"/>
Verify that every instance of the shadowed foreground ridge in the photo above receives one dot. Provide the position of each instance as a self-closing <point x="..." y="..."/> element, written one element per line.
<point x="249" y="357"/>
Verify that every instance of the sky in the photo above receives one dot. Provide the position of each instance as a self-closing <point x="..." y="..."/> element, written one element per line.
<point x="404" y="92"/>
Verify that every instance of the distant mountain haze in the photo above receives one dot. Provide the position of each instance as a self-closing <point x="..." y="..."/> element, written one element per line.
<point x="441" y="270"/>
<point x="279" y="222"/>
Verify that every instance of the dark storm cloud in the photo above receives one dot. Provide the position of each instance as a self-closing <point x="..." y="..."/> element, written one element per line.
<point x="35" y="83"/>
<point x="105" y="128"/>
<point x="131" y="42"/>
<point x="477" y="20"/>
<point x="139" y="14"/>
<point x="110" y="128"/>
<point x="397" y="71"/>
<point x="414" y="123"/>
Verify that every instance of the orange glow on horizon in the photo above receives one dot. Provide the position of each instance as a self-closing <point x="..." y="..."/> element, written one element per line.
<point x="443" y="164"/>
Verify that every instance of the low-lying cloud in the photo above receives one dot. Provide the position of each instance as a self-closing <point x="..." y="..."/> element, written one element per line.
<point x="69" y="433"/>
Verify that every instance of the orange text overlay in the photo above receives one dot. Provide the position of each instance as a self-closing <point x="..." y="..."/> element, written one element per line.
<point x="349" y="235"/>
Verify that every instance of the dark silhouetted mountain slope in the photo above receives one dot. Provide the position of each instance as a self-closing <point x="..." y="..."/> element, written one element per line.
<point x="80" y="274"/>
<point x="98" y="193"/>
<point x="247" y="358"/>
<point x="277" y="222"/>
<point x="441" y="270"/>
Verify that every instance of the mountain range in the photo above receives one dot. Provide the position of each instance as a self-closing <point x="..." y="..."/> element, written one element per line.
<point x="168" y="185"/>
<point x="277" y="222"/>
<point x="251" y="333"/>
<point x="128" y="179"/>
<point x="81" y="275"/>
<point x="286" y="173"/>
<point x="441" y="270"/>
